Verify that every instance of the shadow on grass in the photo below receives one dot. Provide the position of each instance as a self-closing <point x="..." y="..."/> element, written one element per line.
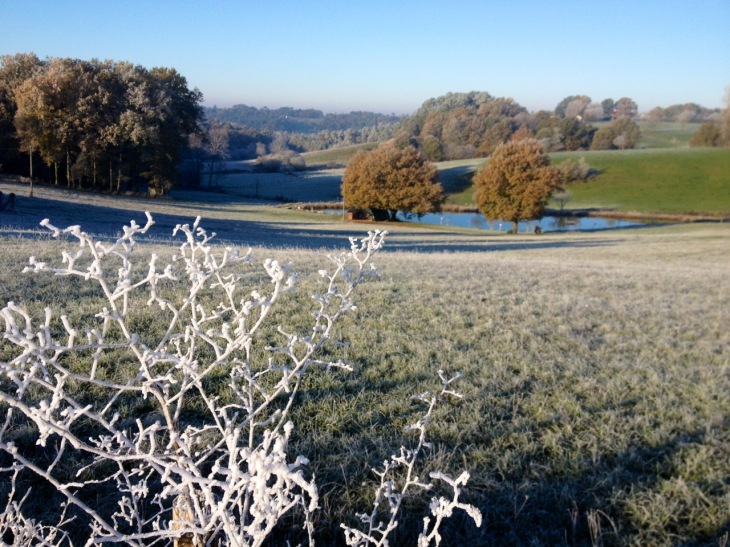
<point x="108" y="221"/>
<point x="539" y="503"/>
<point x="457" y="179"/>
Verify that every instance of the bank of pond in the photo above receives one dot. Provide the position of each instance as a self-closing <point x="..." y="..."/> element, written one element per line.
<point x="546" y="224"/>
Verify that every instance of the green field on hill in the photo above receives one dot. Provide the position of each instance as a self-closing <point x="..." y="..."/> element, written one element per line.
<point x="670" y="181"/>
<point x="662" y="134"/>
<point x="663" y="175"/>
<point x="337" y="155"/>
<point x="655" y="180"/>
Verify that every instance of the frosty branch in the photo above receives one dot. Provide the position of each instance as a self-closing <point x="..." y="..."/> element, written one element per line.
<point x="224" y="477"/>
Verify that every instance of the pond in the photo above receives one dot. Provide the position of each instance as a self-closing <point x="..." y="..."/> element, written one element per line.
<point x="546" y="224"/>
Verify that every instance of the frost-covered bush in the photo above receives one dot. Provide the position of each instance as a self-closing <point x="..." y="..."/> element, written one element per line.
<point x="222" y="479"/>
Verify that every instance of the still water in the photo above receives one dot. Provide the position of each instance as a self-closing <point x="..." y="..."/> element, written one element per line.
<point x="546" y="224"/>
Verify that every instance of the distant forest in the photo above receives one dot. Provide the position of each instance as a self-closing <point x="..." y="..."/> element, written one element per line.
<point x="451" y="126"/>
<point x="468" y="125"/>
<point x="296" y="120"/>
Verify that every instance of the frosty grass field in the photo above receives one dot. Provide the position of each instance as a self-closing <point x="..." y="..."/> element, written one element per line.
<point x="596" y="365"/>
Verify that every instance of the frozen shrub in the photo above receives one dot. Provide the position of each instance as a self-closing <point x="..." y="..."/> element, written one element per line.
<point x="223" y="479"/>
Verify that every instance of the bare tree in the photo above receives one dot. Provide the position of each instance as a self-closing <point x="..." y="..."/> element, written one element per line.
<point x="626" y="107"/>
<point x="725" y="123"/>
<point x="685" y="117"/>
<point x="621" y="141"/>
<point x="217" y="148"/>
<point x="279" y="144"/>
<point x="576" y="108"/>
<point x="593" y="112"/>
<point x="654" y="116"/>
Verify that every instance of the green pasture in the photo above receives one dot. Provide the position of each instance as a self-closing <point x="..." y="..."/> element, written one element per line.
<point x="663" y="175"/>
<point x="596" y="387"/>
<point x="662" y="134"/>
<point x="299" y="186"/>
<point x="338" y="155"/>
<point x="667" y="181"/>
<point x="650" y="181"/>
<point x="456" y="178"/>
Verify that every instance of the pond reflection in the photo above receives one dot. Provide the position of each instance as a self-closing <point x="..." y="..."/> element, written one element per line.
<point x="546" y="224"/>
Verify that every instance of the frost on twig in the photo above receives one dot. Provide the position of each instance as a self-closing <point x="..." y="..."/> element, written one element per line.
<point x="19" y="530"/>
<point x="389" y="495"/>
<point x="202" y="463"/>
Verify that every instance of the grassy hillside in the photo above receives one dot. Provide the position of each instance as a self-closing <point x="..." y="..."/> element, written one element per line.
<point x="302" y="186"/>
<point x="662" y="134"/>
<point x="671" y="181"/>
<point x="336" y="155"/>
<point x="654" y="180"/>
<point x="595" y="365"/>
<point x="690" y="181"/>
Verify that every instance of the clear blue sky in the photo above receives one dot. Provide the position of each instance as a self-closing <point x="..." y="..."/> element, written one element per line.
<point x="390" y="56"/>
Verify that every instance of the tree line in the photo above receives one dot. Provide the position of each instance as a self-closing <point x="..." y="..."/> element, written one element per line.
<point x="293" y="120"/>
<point x="715" y="132"/>
<point x="683" y="113"/>
<point x="273" y="150"/>
<point x="468" y="125"/>
<point x="96" y="124"/>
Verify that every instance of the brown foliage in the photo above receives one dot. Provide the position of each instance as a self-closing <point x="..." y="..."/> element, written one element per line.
<point x="466" y="130"/>
<point x="516" y="183"/>
<point x="522" y="133"/>
<point x="620" y="133"/>
<point x="496" y="135"/>
<point x="389" y="179"/>
<point x="707" y="135"/>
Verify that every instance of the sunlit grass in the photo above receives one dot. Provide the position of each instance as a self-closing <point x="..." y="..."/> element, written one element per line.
<point x="656" y="180"/>
<point x="596" y="379"/>
<point x="340" y="155"/>
<point x="672" y="181"/>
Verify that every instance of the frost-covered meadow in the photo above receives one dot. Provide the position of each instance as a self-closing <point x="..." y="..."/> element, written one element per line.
<point x="596" y="372"/>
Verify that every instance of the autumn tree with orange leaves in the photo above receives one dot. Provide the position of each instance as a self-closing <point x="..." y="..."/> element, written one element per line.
<point x="516" y="183"/>
<point x="391" y="179"/>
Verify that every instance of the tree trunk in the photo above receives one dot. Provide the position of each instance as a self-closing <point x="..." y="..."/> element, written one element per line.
<point x="68" y="171"/>
<point x="130" y="180"/>
<point x="111" y="176"/>
<point x="31" y="172"/>
<point x="210" y="176"/>
<point x="380" y="214"/>
<point x="119" y="176"/>
<point x="94" y="174"/>
<point x="55" y="168"/>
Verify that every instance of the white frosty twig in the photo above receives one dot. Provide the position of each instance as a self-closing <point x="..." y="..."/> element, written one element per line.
<point x="204" y="460"/>
<point x="226" y="476"/>
<point x="389" y="494"/>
